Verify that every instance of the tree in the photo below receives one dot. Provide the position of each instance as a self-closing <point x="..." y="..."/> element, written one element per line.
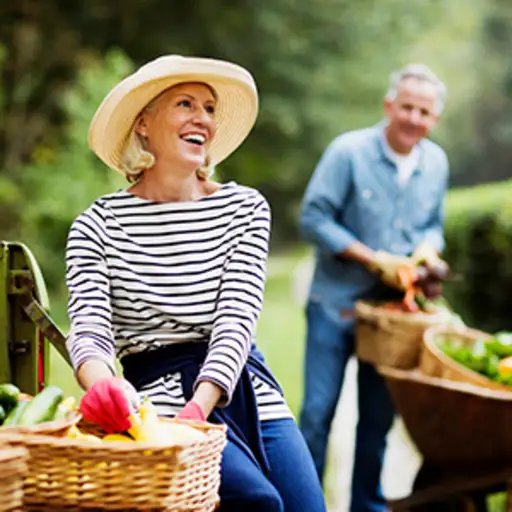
<point x="318" y="71"/>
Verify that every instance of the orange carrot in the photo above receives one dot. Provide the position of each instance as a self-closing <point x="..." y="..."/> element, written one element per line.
<point x="407" y="276"/>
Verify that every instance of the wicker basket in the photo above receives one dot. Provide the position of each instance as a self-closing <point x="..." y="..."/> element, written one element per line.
<point x="389" y="337"/>
<point x="13" y="468"/>
<point x="435" y="363"/>
<point x="55" y="428"/>
<point x="66" y="473"/>
<point x="453" y="424"/>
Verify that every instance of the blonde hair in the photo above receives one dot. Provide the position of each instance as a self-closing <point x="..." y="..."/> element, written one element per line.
<point x="136" y="158"/>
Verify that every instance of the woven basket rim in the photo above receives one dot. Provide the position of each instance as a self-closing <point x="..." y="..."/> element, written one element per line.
<point x="45" y="428"/>
<point x="82" y="445"/>
<point x="430" y="341"/>
<point x="463" y="331"/>
<point x="415" y="375"/>
<point x="367" y="308"/>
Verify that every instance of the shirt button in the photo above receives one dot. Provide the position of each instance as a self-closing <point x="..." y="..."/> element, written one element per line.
<point x="367" y="194"/>
<point x="398" y="224"/>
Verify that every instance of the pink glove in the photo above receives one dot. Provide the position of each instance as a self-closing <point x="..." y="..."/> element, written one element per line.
<point x="191" y="411"/>
<point x="109" y="403"/>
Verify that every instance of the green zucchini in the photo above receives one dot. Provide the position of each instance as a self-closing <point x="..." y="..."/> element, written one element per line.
<point x="14" y="415"/>
<point x="66" y="406"/>
<point x="9" y="394"/>
<point x="2" y="415"/>
<point x="42" y="407"/>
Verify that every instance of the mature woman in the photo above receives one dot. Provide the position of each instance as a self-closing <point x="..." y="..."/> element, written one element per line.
<point x="168" y="276"/>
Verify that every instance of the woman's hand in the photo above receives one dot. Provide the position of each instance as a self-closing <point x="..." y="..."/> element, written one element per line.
<point x="191" y="411"/>
<point x="109" y="403"/>
<point x="205" y="398"/>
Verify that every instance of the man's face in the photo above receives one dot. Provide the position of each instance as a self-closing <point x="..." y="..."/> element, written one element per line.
<point x="411" y="114"/>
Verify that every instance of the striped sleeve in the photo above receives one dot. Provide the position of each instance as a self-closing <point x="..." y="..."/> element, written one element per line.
<point x="239" y="303"/>
<point x="89" y="307"/>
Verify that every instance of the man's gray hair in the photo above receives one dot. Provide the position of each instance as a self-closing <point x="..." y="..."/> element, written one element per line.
<point x="422" y="73"/>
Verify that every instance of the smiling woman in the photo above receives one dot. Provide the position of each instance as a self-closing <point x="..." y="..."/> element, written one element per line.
<point x="185" y="111"/>
<point x="168" y="276"/>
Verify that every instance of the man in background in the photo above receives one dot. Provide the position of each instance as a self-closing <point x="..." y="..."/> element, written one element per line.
<point x="374" y="199"/>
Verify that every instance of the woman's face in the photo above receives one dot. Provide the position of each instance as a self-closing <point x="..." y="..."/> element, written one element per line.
<point x="181" y="125"/>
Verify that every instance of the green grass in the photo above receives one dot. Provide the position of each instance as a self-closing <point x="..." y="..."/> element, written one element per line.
<point x="61" y="375"/>
<point x="60" y="372"/>
<point x="280" y="334"/>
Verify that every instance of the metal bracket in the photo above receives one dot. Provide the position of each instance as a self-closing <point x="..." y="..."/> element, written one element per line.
<point x="21" y="285"/>
<point x="20" y="282"/>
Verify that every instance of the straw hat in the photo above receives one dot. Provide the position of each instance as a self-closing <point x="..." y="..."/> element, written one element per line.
<point x="235" y="112"/>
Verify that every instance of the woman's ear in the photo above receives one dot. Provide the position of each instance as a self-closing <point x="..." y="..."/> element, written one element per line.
<point x="141" y="126"/>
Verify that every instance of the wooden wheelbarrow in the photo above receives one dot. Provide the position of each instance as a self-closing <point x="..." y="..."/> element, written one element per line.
<point x="464" y="433"/>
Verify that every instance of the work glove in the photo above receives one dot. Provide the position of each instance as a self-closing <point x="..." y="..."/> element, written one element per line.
<point x="427" y="256"/>
<point x="396" y="271"/>
<point x="425" y="253"/>
<point x="191" y="411"/>
<point x="109" y="403"/>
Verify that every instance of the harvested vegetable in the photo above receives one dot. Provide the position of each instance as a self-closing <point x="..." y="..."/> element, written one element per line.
<point x="24" y="410"/>
<point x="489" y="357"/>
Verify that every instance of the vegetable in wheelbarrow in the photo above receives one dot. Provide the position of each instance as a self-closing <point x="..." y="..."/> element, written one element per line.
<point x="491" y="357"/>
<point x="501" y="344"/>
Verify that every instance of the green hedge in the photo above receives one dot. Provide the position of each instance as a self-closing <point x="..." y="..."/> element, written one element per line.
<point x="479" y="249"/>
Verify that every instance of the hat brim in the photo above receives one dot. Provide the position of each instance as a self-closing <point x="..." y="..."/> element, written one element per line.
<point x="235" y="112"/>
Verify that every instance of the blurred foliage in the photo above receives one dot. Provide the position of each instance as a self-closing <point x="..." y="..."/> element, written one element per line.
<point x="62" y="181"/>
<point x="317" y="69"/>
<point x="479" y="249"/>
<point x="321" y="66"/>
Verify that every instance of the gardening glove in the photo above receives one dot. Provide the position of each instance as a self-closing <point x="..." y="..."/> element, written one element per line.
<point x="109" y="403"/>
<point x="425" y="253"/>
<point x="191" y="411"/>
<point x="388" y="267"/>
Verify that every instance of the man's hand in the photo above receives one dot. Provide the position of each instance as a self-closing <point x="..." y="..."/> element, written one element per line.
<point x="388" y="266"/>
<point x="425" y="253"/>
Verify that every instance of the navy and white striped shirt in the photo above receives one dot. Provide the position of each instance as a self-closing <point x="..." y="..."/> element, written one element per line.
<point x="142" y="274"/>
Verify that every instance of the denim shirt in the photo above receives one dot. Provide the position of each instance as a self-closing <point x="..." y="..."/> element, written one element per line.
<point x="354" y="195"/>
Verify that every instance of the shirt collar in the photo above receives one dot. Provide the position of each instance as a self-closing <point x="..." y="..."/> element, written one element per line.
<point x="397" y="158"/>
<point x="384" y="150"/>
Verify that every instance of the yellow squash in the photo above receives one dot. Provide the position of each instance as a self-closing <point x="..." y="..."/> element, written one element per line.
<point x="146" y="427"/>
<point x="117" y="437"/>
